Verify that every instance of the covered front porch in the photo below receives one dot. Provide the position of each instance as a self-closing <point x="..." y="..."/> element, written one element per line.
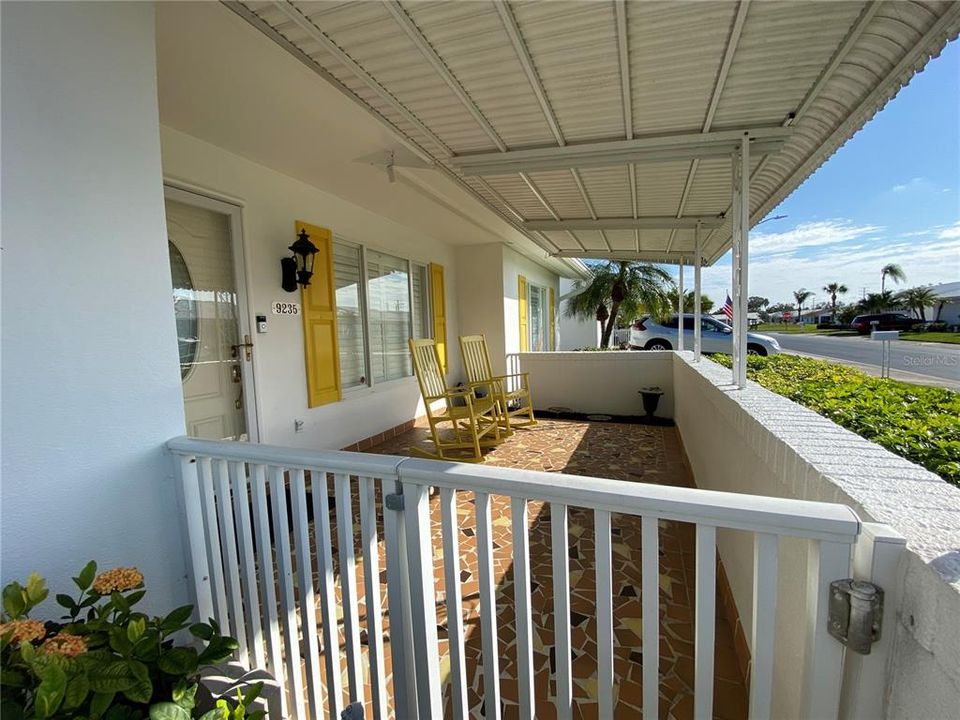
<point x="630" y="452"/>
<point x="468" y="177"/>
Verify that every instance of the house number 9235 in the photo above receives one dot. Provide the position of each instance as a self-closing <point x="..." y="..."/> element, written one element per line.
<point x="286" y="308"/>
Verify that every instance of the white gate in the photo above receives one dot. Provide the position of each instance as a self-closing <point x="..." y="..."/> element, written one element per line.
<point x="263" y="523"/>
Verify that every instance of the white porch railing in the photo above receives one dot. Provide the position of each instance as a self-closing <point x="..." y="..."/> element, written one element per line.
<point x="260" y="565"/>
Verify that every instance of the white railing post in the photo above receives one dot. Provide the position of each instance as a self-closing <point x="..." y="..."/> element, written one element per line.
<point x="763" y="623"/>
<point x="416" y="512"/>
<point x="823" y="668"/>
<point x="398" y="602"/>
<point x="876" y="559"/>
<point x="196" y="536"/>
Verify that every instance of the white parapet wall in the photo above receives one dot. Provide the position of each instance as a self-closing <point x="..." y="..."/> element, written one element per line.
<point x="754" y="441"/>
<point x="597" y="382"/>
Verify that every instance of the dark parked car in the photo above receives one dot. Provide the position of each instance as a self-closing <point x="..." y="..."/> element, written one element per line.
<point x="863" y="324"/>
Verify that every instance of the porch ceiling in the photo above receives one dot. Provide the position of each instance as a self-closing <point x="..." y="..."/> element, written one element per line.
<point x="458" y="81"/>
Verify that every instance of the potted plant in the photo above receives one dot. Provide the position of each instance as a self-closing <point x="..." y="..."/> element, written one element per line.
<point x="104" y="658"/>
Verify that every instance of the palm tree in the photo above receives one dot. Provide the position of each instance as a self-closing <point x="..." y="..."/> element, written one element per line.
<point x="706" y="304"/>
<point x="619" y="287"/>
<point x="834" y="289"/>
<point x="878" y="302"/>
<point x="801" y="296"/>
<point x="918" y="299"/>
<point x="894" y="271"/>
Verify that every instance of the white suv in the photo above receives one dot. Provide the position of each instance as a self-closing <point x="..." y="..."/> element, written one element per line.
<point x="715" y="336"/>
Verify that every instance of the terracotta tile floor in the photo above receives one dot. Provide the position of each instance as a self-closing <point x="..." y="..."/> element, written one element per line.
<point x="635" y="453"/>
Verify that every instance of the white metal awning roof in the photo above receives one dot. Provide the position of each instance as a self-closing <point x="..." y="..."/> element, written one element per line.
<point x="603" y="129"/>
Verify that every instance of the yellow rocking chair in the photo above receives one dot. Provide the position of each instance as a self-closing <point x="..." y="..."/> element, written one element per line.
<point x="476" y="364"/>
<point x="474" y="424"/>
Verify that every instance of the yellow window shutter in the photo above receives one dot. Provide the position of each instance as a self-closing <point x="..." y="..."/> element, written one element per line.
<point x="552" y="324"/>
<point x="438" y="300"/>
<point x="320" y="322"/>
<point x="522" y="302"/>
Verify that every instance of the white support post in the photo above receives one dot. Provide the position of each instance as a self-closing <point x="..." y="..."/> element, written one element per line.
<point x="735" y="261"/>
<point x="680" y="308"/>
<point x="876" y="559"/>
<point x="697" y="262"/>
<point x="744" y="256"/>
<point x="196" y="536"/>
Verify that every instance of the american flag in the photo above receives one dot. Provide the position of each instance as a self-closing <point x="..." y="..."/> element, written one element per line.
<point x="728" y="308"/>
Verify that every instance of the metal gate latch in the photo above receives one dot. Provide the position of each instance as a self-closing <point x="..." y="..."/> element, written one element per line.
<point x="854" y="614"/>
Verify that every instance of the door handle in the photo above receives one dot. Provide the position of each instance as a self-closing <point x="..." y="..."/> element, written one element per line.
<point x="247" y="345"/>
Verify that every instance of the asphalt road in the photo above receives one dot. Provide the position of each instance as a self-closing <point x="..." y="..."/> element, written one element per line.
<point x="927" y="363"/>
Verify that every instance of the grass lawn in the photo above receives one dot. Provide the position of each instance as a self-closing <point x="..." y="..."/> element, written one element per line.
<point x="798" y="329"/>
<point x="939" y="337"/>
<point x="917" y="422"/>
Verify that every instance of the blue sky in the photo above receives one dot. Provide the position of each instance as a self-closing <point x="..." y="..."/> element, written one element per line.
<point x="889" y="195"/>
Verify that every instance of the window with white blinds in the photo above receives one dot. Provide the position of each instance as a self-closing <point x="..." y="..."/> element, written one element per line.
<point x="350" y="311"/>
<point x="379" y="308"/>
<point x="538" y="323"/>
<point x="420" y="292"/>
<point x="388" y="316"/>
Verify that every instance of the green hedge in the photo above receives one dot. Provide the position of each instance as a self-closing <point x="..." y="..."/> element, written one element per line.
<point x="917" y="422"/>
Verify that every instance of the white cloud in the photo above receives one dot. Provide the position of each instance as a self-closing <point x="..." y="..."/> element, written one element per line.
<point x="950" y="233"/>
<point x="810" y="234"/>
<point x="917" y="183"/>
<point x="926" y="259"/>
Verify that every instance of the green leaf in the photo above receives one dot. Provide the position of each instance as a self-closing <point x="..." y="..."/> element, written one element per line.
<point x="14" y="602"/>
<point x="252" y="694"/>
<point x="50" y="692"/>
<point x="135" y="629"/>
<point x="119" y="602"/>
<point x="140" y="692"/>
<point x="86" y="577"/>
<point x="136" y="596"/>
<point x="180" y="661"/>
<point x="100" y="703"/>
<point x="36" y="589"/>
<point x="110" y="677"/>
<point x="66" y="601"/>
<point x="77" y="690"/>
<point x="12" y="678"/>
<point x="218" y="713"/>
<point x="176" y="618"/>
<point x="169" y="711"/>
<point x="185" y="695"/>
<point x="202" y="631"/>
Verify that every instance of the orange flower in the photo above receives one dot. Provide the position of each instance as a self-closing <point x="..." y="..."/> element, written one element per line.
<point x="24" y="630"/>
<point x="65" y="645"/>
<point x="119" y="579"/>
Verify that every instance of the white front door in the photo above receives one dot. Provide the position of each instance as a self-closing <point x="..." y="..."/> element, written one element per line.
<point x="212" y="337"/>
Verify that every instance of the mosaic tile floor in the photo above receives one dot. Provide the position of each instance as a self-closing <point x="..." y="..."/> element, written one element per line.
<point x="635" y="453"/>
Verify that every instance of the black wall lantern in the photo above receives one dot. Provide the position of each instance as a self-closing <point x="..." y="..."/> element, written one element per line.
<point x="298" y="269"/>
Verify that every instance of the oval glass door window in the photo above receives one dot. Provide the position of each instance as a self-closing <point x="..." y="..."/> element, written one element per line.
<point x="185" y="311"/>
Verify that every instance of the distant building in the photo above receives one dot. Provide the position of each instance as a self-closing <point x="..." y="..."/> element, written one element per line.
<point x="947" y="307"/>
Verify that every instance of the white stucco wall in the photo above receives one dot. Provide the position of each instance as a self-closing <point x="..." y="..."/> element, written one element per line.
<point x="514" y="265"/>
<point x="754" y="441"/>
<point x="91" y="381"/>
<point x="479" y="297"/>
<point x="574" y="332"/>
<point x="271" y="203"/>
<point x="599" y="382"/>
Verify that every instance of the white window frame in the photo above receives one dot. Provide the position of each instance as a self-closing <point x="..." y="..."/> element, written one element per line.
<point x="543" y="299"/>
<point x="363" y="292"/>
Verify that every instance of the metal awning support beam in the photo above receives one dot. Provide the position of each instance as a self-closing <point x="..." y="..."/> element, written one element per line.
<point x="662" y="148"/>
<point x="642" y="223"/>
<point x="697" y="262"/>
<point x="654" y="256"/>
<point x="741" y="229"/>
<point x="680" y="329"/>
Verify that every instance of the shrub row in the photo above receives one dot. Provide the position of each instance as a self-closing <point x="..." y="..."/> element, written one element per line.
<point x="919" y="423"/>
